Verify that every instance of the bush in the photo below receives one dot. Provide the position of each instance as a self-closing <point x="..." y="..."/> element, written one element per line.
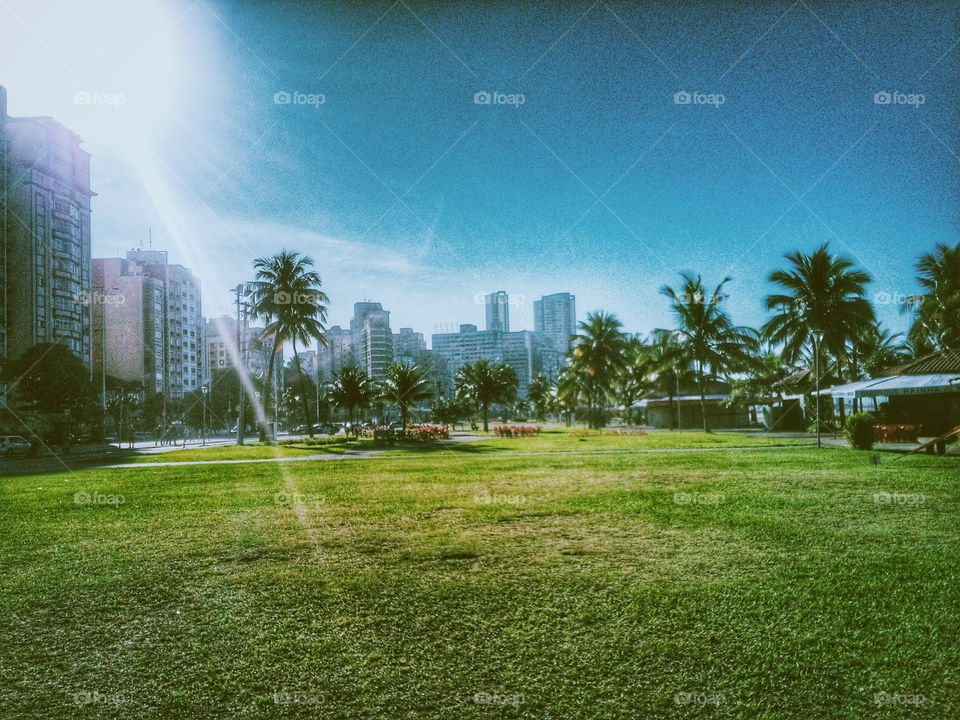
<point x="427" y="433"/>
<point x="516" y="431"/>
<point x="858" y="429"/>
<point x="319" y="441"/>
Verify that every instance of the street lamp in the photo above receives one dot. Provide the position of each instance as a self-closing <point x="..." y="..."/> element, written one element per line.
<point x="203" y="429"/>
<point x="240" y="290"/>
<point x="817" y="339"/>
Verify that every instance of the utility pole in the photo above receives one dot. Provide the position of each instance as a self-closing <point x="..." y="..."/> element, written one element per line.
<point x="241" y="317"/>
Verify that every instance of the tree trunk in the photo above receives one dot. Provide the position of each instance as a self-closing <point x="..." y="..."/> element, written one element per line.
<point x="303" y="394"/>
<point x="267" y="390"/>
<point x="486" y="417"/>
<point x="703" y="399"/>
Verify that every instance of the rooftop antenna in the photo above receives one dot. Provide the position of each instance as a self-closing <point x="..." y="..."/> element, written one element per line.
<point x="149" y="238"/>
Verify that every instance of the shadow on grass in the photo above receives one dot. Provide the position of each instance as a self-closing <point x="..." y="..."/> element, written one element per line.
<point x="57" y="464"/>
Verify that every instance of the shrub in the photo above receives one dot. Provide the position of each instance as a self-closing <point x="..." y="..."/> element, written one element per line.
<point x="858" y="429"/>
<point x="427" y="433"/>
<point x="319" y="441"/>
<point x="516" y="431"/>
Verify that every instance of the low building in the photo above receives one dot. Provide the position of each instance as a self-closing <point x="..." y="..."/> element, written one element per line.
<point x="685" y="411"/>
<point x="924" y="393"/>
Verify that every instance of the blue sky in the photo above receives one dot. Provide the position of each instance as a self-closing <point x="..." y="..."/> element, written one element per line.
<point x="407" y="191"/>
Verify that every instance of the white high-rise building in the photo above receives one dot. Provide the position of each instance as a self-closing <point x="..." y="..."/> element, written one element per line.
<point x="371" y="338"/>
<point x="555" y="321"/>
<point x="336" y="354"/>
<point x="498" y="311"/>
<point x="184" y="326"/>
<point x="45" y="294"/>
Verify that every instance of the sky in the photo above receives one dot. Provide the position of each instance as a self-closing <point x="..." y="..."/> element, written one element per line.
<point x="425" y="154"/>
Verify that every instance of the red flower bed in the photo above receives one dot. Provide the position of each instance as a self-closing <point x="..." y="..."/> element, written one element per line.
<point x="426" y="433"/>
<point x="516" y="431"/>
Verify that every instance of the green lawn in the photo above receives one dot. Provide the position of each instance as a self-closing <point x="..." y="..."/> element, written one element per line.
<point x="728" y="584"/>
<point x="576" y="440"/>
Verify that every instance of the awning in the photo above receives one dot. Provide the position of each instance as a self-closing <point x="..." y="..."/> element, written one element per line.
<point x="675" y="398"/>
<point x="849" y="390"/>
<point x="914" y="385"/>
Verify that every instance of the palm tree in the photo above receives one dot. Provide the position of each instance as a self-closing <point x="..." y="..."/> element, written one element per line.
<point x="566" y="392"/>
<point x="822" y="293"/>
<point x="350" y="389"/>
<point x="485" y="384"/>
<point x="538" y="393"/>
<point x="635" y="376"/>
<point x="713" y="341"/>
<point x="404" y="384"/>
<point x="670" y="368"/>
<point x="937" y="309"/>
<point x="597" y="359"/>
<point x="286" y="293"/>
<point x="877" y="349"/>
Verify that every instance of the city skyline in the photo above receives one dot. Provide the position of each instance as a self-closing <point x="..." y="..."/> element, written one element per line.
<point x="604" y="177"/>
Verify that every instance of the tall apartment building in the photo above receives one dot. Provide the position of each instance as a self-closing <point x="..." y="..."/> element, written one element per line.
<point x="183" y="322"/>
<point x="408" y="346"/>
<point x="555" y="321"/>
<point x="371" y="338"/>
<point x="44" y="236"/>
<point x="498" y="311"/>
<point x="519" y="350"/>
<point x="221" y="347"/>
<point x="128" y="325"/>
<point x="336" y="354"/>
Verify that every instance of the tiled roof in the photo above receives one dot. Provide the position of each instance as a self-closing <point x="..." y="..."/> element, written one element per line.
<point x="944" y="361"/>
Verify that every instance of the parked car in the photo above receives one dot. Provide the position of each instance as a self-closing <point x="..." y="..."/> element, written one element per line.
<point x="11" y="445"/>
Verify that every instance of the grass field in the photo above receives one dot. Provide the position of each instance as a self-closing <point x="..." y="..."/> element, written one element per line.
<point x="781" y="583"/>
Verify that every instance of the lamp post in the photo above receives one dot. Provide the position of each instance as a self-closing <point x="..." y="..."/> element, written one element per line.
<point x="203" y="428"/>
<point x="240" y="290"/>
<point x="817" y="339"/>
